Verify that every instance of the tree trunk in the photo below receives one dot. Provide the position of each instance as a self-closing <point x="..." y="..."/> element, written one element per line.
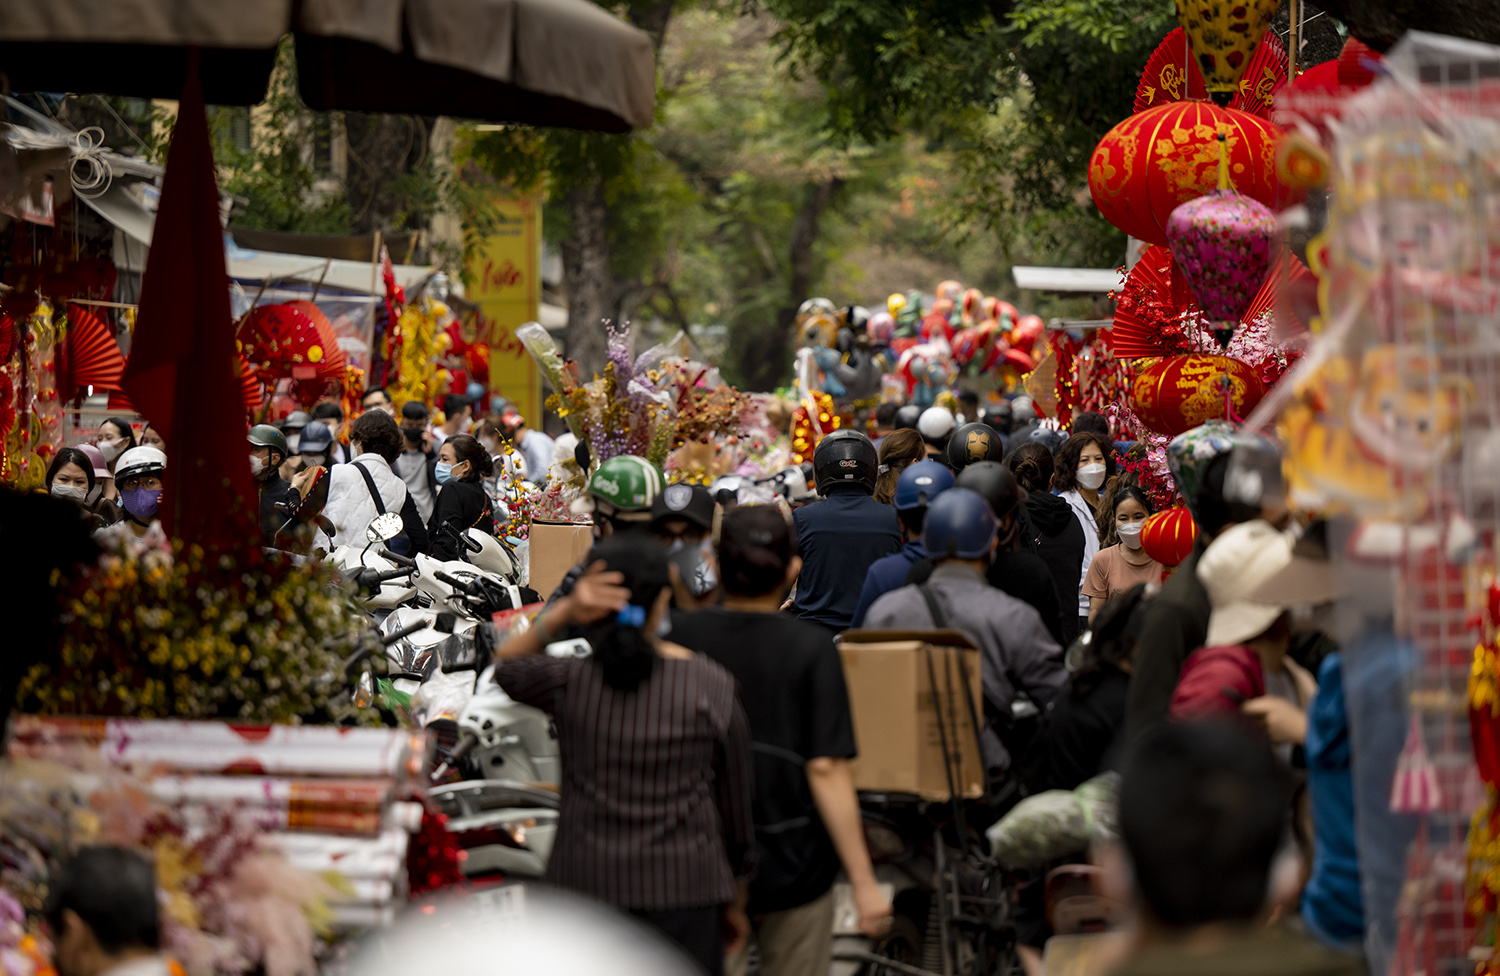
<point x="766" y="355"/>
<point x="382" y="148"/>
<point x="590" y="281"/>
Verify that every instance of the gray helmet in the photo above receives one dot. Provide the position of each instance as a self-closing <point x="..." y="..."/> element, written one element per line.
<point x="264" y="435"/>
<point x="316" y="438"/>
<point x="296" y="420"/>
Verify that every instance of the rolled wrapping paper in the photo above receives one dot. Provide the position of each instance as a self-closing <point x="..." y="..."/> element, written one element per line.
<point x="382" y="856"/>
<point x="220" y="747"/>
<point x="395" y="816"/>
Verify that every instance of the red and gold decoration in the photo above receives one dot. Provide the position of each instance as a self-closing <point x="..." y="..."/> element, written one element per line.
<point x="1168" y="536"/>
<point x="808" y="429"/>
<point x="1224" y="242"/>
<point x="1172" y="75"/>
<point x="292" y="340"/>
<point x="1482" y="885"/>
<point x="1224" y="37"/>
<point x="1181" y="392"/>
<point x="1156" y="160"/>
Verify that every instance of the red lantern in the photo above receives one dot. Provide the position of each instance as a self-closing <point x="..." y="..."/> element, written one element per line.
<point x="1156" y="160"/>
<point x="1179" y="393"/>
<point x="1168" y="536"/>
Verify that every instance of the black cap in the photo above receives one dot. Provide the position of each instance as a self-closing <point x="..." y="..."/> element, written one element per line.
<point x="690" y="502"/>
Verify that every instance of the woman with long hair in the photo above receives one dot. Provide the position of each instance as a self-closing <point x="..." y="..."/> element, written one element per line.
<point x="899" y="450"/>
<point x="1050" y="529"/>
<point x="115" y="438"/>
<point x="657" y="773"/>
<point x="1084" y="463"/>
<point x="70" y="477"/>
<point x="1124" y="564"/>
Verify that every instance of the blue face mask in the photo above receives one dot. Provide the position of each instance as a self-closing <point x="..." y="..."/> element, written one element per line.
<point x="141" y="503"/>
<point x="444" y="472"/>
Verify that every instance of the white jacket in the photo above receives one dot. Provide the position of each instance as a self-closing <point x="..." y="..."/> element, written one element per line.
<point x="1090" y="541"/>
<point x="350" y="506"/>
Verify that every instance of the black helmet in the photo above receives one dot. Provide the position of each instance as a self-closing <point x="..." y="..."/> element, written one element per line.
<point x="845" y="456"/>
<point x="907" y="417"/>
<point x="996" y="483"/>
<point x="972" y="443"/>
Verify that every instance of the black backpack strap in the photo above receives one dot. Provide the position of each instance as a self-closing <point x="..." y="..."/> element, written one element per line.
<point x="370" y="483"/>
<point x="939" y="620"/>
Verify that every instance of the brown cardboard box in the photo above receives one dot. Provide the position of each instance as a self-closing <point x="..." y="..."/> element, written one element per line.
<point x="898" y="726"/>
<point x="557" y="547"/>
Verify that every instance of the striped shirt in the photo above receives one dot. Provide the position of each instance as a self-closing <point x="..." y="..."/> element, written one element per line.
<point x="656" y="782"/>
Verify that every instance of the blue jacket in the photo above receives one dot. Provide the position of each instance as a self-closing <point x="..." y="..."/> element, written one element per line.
<point x="838" y="539"/>
<point x="886" y="574"/>
<point x="1331" y="903"/>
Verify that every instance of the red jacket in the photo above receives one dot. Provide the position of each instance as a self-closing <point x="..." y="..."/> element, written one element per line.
<point x="1217" y="681"/>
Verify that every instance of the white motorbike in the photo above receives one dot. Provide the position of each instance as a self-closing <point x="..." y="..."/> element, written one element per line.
<point x="390" y="589"/>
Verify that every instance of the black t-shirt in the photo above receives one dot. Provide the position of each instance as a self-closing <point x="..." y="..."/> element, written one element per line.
<point x="792" y="684"/>
<point x="1081" y="735"/>
<point x="1020" y="574"/>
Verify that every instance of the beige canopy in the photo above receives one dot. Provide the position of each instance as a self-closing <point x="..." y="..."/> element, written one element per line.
<point x="542" y="62"/>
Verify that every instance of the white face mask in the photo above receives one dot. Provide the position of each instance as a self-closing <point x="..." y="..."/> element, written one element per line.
<point x="256" y="466"/>
<point x="1130" y="534"/>
<point x="110" y="449"/>
<point x="72" y="493"/>
<point x="291" y="442"/>
<point x="1091" y="476"/>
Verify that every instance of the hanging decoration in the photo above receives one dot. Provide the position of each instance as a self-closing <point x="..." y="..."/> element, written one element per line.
<point x="1172" y="75"/>
<point x="1224" y="37"/>
<point x="419" y="343"/>
<point x="292" y="340"/>
<point x="1179" y="393"/>
<point x="1482" y="884"/>
<point x="1224" y="243"/>
<point x="88" y="354"/>
<point x="1168" y="536"/>
<point x="1156" y="160"/>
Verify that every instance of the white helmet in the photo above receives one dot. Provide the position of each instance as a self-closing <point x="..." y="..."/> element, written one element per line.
<point x="138" y="461"/>
<point x="935" y="424"/>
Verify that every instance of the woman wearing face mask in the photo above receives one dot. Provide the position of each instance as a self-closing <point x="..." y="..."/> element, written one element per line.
<point x="1120" y="567"/>
<point x="70" y="477"/>
<point x="138" y="472"/>
<point x="1084" y="463"/>
<point x="462" y="501"/>
<point x="151" y="437"/>
<point x="115" y="438"/>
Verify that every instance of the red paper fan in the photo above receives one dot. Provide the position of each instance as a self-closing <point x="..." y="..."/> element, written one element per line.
<point x="1163" y="79"/>
<point x="90" y="354"/>
<point x="7" y="405"/>
<point x="290" y="341"/>
<point x="1151" y="295"/>
<point x="1272" y="291"/>
<point x="7" y="338"/>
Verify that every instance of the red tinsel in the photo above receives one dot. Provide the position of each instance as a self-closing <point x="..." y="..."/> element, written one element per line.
<point x="433" y="855"/>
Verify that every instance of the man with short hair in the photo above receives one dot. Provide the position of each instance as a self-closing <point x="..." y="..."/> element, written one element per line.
<point x="458" y="413"/>
<point x="1203" y="811"/>
<point x="417" y="463"/>
<point x="885" y="421"/>
<point x="377" y="399"/>
<point x="331" y="415"/>
<point x="102" y="909"/>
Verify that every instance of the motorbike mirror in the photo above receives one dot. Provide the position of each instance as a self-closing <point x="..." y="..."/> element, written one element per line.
<point x="364" y="691"/>
<point x="444" y="622"/>
<point x="383" y="528"/>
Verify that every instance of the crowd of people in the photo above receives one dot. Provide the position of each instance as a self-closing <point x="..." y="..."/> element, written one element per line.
<point x="707" y="740"/>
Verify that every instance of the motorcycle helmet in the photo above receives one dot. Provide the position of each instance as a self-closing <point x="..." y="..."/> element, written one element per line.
<point x="264" y="435"/>
<point x="936" y="425"/>
<point x="920" y="483"/>
<point x="998" y="416"/>
<point x="996" y="483"/>
<point x="139" y="461"/>
<point x="1046" y="435"/>
<point x="727" y="488"/>
<point x="845" y="456"/>
<point x="974" y="442"/>
<point x="791" y="484"/>
<point x="907" y="417"/>
<point x="1022" y="411"/>
<point x="296" y="420"/>
<point x="623" y="486"/>
<point x="960" y="525"/>
<point x="316" y="438"/>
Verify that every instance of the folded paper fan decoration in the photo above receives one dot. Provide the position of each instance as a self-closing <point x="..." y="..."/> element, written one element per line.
<point x="1164" y="78"/>
<point x="1276" y="291"/>
<point x="1152" y="294"/>
<point x="89" y="355"/>
<point x="293" y="340"/>
<point x="7" y="337"/>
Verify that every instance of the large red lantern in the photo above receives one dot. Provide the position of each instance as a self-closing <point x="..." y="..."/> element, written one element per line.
<point x="1181" y="392"/>
<point x="1168" y="536"/>
<point x="1156" y="160"/>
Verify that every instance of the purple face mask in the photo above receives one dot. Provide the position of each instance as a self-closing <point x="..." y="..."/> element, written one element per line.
<point x="141" y="503"/>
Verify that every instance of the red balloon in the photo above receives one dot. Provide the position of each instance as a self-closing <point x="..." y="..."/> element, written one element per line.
<point x="1020" y="361"/>
<point x="1155" y="160"/>
<point x="1182" y="392"/>
<point x="1028" y="332"/>
<point x="1168" y="536"/>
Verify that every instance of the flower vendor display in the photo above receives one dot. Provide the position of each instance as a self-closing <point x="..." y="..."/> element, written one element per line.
<point x="418" y="343"/>
<point x="160" y="629"/>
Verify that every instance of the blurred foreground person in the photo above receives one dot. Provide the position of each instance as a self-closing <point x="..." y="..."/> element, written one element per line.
<point x="101" y="907"/>
<point x="1204" y="810"/>
<point x="657" y="774"/>
<point x="807" y="817"/>
<point x="1050" y="529"/>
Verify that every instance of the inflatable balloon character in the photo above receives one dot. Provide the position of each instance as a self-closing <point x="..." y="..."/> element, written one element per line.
<point x="951" y="290"/>
<point x="978" y="348"/>
<point x="908" y="316"/>
<point x="971" y="307"/>
<point x="938" y="323"/>
<point x="1027" y="333"/>
<point x="928" y="370"/>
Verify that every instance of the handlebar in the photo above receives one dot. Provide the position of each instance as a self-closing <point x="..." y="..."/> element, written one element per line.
<point x="375" y="579"/>
<point x="398" y="559"/>
<point x="404" y="632"/>
<point x="459" y="586"/>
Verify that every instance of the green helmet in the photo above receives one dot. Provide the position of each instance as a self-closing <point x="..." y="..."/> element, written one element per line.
<point x="264" y="435"/>
<point x="626" y="484"/>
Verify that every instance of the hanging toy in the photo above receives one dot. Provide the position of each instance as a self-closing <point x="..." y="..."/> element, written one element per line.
<point x="1415" y="788"/>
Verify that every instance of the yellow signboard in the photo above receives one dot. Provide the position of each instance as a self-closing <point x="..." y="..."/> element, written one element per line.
<point x="505" y="281"/>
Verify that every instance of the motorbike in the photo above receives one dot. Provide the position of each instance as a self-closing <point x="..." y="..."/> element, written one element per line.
<point x="362" y="566"/>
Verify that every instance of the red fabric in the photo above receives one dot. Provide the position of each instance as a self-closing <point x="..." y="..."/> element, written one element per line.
<point x="1217" y="681"/>
<point x="182" y="372"/>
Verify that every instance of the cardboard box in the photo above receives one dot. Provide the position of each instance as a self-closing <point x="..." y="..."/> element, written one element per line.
<point x="557" y="547"/>
<point x="898" y="724"/>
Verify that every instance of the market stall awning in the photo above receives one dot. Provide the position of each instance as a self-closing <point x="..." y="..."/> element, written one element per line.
<point x="539" y="62"/>
<point x="1089" y="280"/>
<point x="352" y="276"/>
